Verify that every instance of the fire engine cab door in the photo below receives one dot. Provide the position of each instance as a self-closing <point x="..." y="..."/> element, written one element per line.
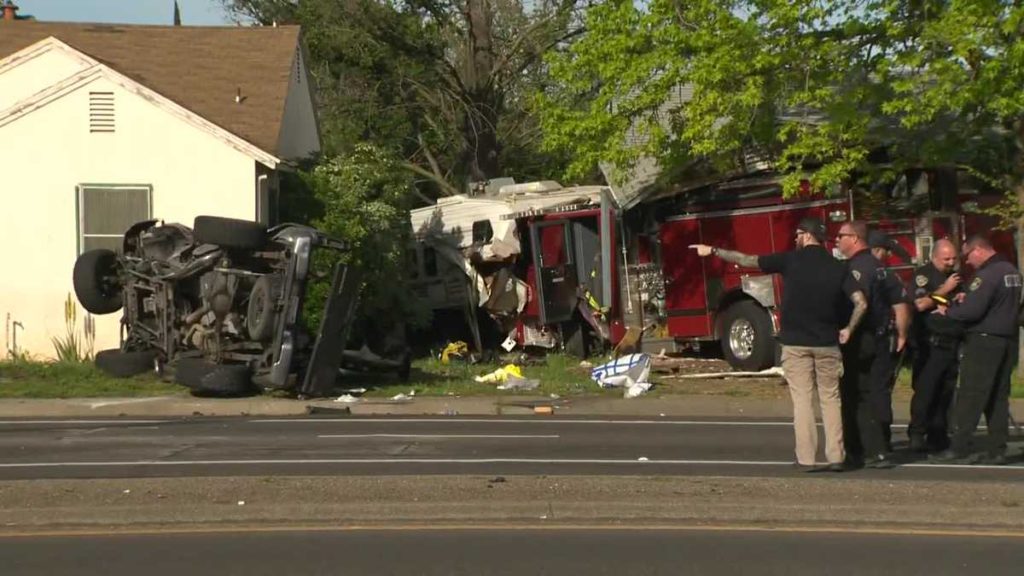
<point x="554" y="260"/>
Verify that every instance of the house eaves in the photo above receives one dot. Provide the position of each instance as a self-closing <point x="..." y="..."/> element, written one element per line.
<point x="98" y="70"/>
<point x="237" y="77"/>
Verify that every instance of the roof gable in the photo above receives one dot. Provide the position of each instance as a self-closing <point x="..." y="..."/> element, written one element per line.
<point x="234" y="77"/>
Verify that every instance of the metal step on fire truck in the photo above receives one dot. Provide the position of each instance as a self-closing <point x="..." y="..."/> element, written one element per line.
<point x="539" y="264"/>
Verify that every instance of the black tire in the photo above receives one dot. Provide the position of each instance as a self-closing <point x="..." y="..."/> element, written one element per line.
<point x="209" y="380"/>
<point x="575" y="339"/>
<point x="96" y="282"/>
<point x="121" y="364"/>
<point x="746" y="336"/>
<point x="261" y="316"/>
<point x="229" y="233"/>
<point x="405" y="368"/>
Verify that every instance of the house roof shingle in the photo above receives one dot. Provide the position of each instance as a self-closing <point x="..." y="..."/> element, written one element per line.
<point x="200" y="68"/>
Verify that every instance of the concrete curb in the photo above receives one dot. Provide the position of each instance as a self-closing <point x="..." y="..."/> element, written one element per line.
<point x="675" y="406"/>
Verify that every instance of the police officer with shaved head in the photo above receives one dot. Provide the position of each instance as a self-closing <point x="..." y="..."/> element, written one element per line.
<point x="936" y="341"/>
<point x="989" y="312"/>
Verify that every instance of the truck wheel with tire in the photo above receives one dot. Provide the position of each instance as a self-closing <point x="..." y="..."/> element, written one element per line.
<point x="746" y="336"/>
<point x="120" y="364"/>
<point x="210" y="380"/>
<point x="262" y="310"/>
<point x="96" y="282"/>
<point x="229" y="233"/>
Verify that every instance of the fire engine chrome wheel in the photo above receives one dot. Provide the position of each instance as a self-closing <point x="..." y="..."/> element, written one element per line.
<point x="745" y="330"/>
<point x="741" y="338"/>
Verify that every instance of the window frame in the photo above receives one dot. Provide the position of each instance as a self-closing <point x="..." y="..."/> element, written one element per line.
<point x="80" y="190"/>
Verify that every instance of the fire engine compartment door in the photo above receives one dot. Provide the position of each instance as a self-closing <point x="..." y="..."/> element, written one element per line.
<point x="554" y="260"/>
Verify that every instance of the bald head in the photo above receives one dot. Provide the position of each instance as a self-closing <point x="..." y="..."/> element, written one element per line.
<point x="944" y="256"/>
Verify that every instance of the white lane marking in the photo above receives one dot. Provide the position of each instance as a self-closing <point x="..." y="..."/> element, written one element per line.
<point x="18" y="422"/>
<point x="512" y="421"/>
<point x="584" y="461"/>
<point x="438" y="436"/>
<point x="537" y="421"/>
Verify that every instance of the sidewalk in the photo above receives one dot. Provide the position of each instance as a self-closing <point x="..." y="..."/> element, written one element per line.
<point x="671" y="406"/>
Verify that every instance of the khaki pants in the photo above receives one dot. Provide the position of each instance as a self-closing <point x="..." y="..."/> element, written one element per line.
<point x="807" y="368"/>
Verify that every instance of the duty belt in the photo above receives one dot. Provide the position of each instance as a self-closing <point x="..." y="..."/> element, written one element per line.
<point x="943" y="341"/>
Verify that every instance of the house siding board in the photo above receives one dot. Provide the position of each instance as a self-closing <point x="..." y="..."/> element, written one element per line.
<point x="191" y="171"/>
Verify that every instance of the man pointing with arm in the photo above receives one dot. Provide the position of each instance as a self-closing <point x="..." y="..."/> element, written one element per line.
<point x="812" y="329"/>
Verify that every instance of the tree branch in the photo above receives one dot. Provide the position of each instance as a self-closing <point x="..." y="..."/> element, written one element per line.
<point x="447" y="188"/>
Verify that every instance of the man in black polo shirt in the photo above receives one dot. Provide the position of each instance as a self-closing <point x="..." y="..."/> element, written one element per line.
<point x="936" y="340"/>
<point x="871" y="355"/>
<point x="816" y="288"/>
<point x="989" y="311"/>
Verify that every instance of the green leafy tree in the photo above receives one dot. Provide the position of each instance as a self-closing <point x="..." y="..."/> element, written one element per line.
<point x="444" y="82"/>
<point x="800" y="83"/>
<point x="361" y="198"/>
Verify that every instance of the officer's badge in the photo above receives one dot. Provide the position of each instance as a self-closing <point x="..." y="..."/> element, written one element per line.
<point x="975" y="284"/>
<point x="856" y="275"/>
<point x="921" y="280"/>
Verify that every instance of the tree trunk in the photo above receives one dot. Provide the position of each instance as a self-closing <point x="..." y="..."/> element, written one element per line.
<point x="480" y="124"/>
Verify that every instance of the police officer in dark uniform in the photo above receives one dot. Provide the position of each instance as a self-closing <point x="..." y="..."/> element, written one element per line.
<point x="871" y="356"/>
<point x="936" y="342"/>
<point x="989" y="311"/>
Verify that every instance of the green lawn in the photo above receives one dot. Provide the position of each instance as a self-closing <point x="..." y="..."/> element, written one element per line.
<point x="558" y="374"/>
<point x="20" y="379"/>
<point x="1016" y="390"/>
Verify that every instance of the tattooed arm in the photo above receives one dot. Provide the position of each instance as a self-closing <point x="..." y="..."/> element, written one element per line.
<point x="860" y="307"/>
<point x="745" y="260"/>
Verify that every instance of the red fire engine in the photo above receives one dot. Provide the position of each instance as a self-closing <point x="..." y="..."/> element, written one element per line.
<point x="594" y="272"/>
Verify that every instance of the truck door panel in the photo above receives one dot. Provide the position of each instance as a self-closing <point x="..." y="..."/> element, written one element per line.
<point x="685" y="291"/>
<point x="557" y="277"/>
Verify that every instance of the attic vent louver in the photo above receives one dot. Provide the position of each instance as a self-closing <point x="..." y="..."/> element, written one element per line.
<point x="101" y="111"/>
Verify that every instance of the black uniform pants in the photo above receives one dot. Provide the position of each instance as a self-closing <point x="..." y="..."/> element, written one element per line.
<point x="935" y="370"/>
<point x="984" y="387"/>
<point x="869" y="368"/>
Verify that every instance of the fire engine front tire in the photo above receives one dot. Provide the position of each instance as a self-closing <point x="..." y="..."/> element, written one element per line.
<point x="96" y="283"/>
<point x="746" y="336"/>
<point x="229" y="233"/>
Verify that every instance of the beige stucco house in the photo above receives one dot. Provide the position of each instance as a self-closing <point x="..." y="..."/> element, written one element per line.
<point x="102" y="126"/>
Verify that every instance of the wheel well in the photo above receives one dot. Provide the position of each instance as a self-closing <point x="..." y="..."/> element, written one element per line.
<point x="728" y="300"/>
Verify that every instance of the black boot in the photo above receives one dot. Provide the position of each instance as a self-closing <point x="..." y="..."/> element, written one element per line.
<point x="918" y="443"/>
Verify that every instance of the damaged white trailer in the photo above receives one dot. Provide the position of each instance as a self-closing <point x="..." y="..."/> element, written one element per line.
<point x="469" y="254"/>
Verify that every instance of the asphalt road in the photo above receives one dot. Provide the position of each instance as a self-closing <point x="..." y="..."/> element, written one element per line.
<point x="121" y="448"/>
<point x="483" y="552"/>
